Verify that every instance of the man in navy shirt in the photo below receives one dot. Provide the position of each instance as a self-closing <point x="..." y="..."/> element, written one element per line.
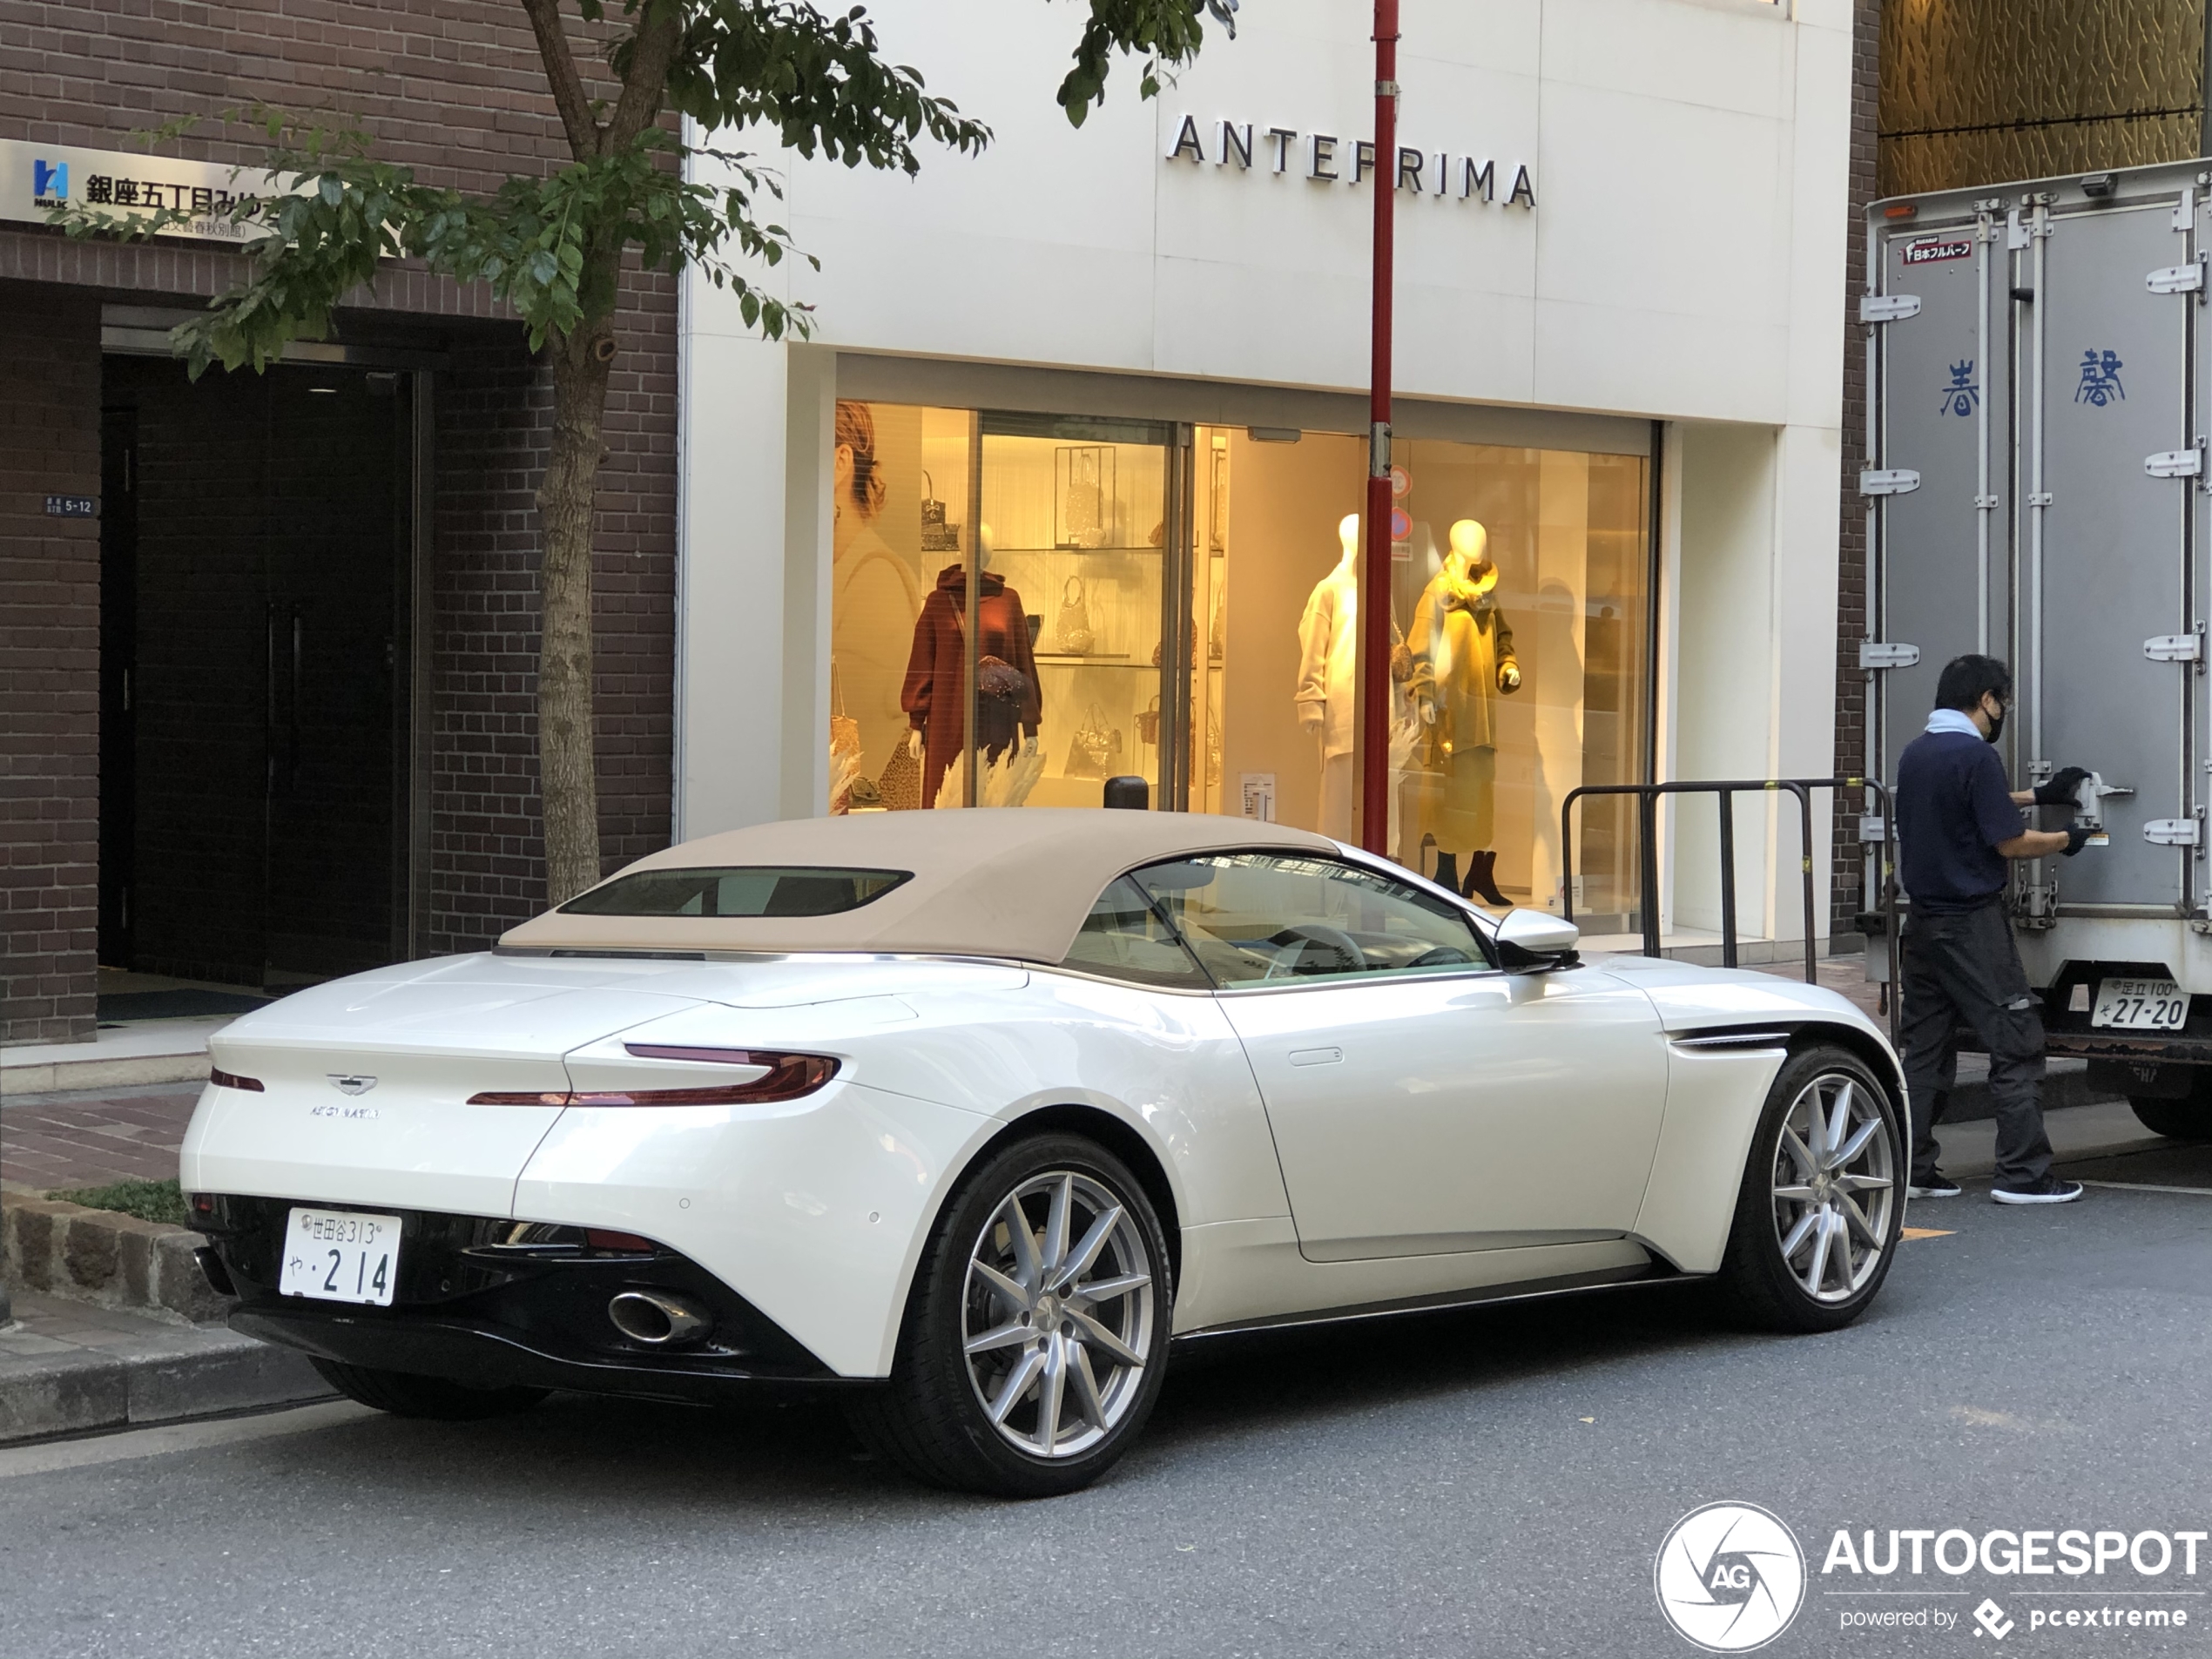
<point x="1959" y="822"/>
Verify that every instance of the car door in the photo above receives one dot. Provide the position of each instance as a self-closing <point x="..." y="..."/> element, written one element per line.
<point x="1422" y="1101"/>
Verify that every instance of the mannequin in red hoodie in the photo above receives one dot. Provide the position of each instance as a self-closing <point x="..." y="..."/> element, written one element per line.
<point x="1007" y="697"/>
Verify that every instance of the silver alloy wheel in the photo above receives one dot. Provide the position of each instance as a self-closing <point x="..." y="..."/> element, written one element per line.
<point x="1835" y="1187"/>
<point x="1058" y="1314"/>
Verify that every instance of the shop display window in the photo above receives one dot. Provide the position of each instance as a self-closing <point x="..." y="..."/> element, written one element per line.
<point x="1519" y="659"/>
<point x="997" y="607"/>
<point x="1181" y="605"/>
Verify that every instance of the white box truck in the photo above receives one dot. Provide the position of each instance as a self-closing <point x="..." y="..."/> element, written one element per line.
<point x="2040" y="390"/>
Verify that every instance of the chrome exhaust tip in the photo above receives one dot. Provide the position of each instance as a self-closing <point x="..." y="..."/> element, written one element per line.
<point x="657" y="1318"/>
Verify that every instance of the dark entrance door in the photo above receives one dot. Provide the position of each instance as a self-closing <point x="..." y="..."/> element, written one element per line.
<point x="255" y="578"/>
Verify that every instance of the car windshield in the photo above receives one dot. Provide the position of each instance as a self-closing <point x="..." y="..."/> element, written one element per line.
<point x="1255" y="917"/>
<point x="740" y="891"/>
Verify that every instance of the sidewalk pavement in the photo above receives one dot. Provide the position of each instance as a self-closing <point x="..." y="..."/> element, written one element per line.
<point x="122" y="1055"/>
<point x="89" y="1138"/>
<point x="2099" y="1130"/>
<point x="69" y="1368"/>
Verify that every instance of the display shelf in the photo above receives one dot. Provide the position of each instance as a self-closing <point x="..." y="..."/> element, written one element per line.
<point x="1097" y="660"/>
<point x="1115" y="547"/>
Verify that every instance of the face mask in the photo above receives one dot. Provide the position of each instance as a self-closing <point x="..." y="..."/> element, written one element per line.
<point x="1997" y="724"/>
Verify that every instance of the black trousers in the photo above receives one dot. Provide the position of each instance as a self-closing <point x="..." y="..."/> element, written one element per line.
<point x="1965" y="970"/>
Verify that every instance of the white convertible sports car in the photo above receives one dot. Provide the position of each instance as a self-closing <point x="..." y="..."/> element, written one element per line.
<point x="976" y="1114"/>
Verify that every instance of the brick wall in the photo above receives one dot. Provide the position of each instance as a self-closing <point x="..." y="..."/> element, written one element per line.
<point x="455" y="89"/>
<point x="49" y="664"/>
<point x="1845" y="899"/>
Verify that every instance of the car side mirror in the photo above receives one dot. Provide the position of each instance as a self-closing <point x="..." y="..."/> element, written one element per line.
<point x="1531" y="938"/>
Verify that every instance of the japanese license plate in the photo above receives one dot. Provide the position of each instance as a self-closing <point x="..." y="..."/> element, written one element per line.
<point x="2140" y="1005"/>
<point x="341" y="1255"/>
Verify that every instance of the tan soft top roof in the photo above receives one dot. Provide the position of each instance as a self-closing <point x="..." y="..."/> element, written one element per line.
<point x="990" y="881"/>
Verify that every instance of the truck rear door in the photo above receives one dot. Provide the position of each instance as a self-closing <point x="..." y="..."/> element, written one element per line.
<point x="1937" y="460"/>
<point x="2111" y="468"/>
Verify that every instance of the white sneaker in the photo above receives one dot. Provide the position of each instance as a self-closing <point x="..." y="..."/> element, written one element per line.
<point x="2050" y="1190"/>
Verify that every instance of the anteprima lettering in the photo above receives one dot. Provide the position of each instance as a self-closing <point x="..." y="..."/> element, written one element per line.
<point x="1323" y="159"/>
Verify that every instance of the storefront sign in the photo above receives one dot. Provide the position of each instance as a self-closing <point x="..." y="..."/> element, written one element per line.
<point x="34" y="178"/>
<point x="1323" y="157"/>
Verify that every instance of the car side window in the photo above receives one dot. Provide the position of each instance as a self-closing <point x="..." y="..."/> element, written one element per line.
<point x="1261" y="918"/>
<point x="1124" y="938"/>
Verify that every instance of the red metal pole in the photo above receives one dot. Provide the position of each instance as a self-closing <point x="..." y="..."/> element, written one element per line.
<point x="1374" y="584"/>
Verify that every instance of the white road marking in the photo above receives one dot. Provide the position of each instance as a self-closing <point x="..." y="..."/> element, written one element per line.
<point x="2145" y="1186"/>
<point x="176" y="1437"/>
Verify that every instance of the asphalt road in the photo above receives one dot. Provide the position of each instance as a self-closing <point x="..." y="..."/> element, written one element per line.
<point x="1494" y="1483"/>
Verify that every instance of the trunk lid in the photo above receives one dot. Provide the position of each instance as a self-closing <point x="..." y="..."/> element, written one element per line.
<point x="366" y="1081"/>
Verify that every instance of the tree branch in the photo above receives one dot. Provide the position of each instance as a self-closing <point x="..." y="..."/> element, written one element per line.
<point x="568" y="95"/>
<point x="645" y="84"/>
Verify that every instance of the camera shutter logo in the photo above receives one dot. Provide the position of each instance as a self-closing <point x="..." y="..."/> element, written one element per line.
<point x="1729" y="1578"/>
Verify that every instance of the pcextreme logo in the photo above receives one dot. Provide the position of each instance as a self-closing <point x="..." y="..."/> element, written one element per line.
<point x="1729" y="1578"/>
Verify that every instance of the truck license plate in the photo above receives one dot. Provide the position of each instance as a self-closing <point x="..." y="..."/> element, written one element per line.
<point x="2140" y="1005"/>
<point x="341" y="1255"/>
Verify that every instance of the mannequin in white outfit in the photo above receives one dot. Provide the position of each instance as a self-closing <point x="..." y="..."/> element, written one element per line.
<point x="1328" y="679"/>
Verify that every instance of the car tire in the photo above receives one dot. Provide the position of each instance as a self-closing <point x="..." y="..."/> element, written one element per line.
<point x="404" y="1394"/>
<point x="974" y="1417"/>
<point x="2178" y="1120"/>
<point x="1777" y="1273"/>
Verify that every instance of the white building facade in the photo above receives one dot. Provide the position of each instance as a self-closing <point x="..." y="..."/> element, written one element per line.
<point x="1057" y="489"/>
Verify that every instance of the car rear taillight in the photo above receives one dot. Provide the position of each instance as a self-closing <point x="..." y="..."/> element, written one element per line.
<point x="231" y="1079"/>
<point x="783" y="1076"/>
<point x="602" y="1238"/>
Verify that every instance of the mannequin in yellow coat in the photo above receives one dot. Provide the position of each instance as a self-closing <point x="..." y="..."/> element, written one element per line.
<point x="1463" y="661"/>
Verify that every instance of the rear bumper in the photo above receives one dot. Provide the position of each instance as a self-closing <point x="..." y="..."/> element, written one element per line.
<point x="490" y="1302"/>
<point x="489" y="1356"/>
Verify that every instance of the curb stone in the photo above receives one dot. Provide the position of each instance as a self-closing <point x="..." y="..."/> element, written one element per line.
<point x="130" y="1369"/>
<point x="110" y="1260"/>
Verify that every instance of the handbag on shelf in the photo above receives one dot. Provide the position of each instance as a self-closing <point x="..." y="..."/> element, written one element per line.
<point x="900" y="782"/>
<point x="1095" y="747"/>
<point x="1148" y="725"/>
<point x="1071" y="633"/>
<point x="937" y="537"/>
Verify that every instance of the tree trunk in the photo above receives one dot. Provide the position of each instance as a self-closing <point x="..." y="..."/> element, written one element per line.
<point x="566" y="765"/>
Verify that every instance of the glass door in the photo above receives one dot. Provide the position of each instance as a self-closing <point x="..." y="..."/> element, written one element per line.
<point x="1074" y="639"/>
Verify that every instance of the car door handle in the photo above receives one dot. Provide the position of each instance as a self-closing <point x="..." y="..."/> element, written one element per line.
<point x="1317" y="1056"/>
